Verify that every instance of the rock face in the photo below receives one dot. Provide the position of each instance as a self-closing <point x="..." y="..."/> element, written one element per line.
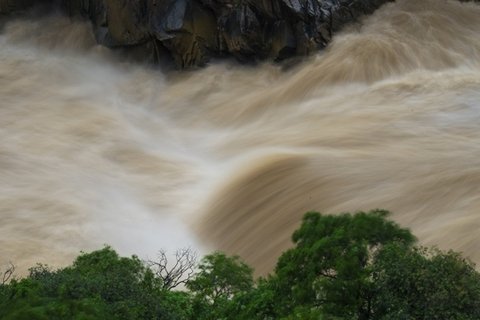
<point x="191" y="32"/>
<point x="10" y="6"/>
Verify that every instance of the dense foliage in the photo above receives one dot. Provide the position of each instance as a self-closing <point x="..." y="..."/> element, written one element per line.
<point x="346" y="266"/>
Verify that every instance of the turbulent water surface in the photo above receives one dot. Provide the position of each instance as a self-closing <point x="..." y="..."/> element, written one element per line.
<point x="94" y="151"/>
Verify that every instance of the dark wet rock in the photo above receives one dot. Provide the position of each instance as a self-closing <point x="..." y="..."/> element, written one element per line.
<point x="126" y="22"/>
<point x="13" y="6"/>
<point x="187" y="29"/>
<point x="192" y="32"/>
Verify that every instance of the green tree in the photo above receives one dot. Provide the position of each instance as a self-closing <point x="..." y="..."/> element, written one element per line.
<point x="99" y="285"/>
<point x="425" y="284"/>
<point x="256" y="303"/>
<point x="330" y="267"/>
<point x="31" y="299"/>
<point x="219" y="280"/>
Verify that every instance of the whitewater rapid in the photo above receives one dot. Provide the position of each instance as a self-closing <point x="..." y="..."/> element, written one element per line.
<point x="98" y="151"/>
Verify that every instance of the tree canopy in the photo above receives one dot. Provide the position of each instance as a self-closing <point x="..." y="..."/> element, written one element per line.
<point x="347" y="266"/>
<point x="330" y="266"/>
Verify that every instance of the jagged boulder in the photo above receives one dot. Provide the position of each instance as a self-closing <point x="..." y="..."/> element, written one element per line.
<point x="191" y="32"/>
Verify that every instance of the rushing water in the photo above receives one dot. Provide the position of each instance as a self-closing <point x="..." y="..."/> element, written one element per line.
<point x="96" y="151"/>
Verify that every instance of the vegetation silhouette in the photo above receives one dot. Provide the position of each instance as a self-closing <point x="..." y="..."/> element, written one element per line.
<point x="348" y="266"/>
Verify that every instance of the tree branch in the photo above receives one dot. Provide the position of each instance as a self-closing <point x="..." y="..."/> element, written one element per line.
<point x="7" y="275"/>
<point x="180" y="273"/>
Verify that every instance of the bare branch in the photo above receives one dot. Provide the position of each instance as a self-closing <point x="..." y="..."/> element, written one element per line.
<point x="180" y="272"/>
<point x="7" y="275"/>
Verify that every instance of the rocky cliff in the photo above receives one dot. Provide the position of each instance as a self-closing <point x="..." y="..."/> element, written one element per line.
<point x="11" y="6"/>
<point x="192" y="32"/>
